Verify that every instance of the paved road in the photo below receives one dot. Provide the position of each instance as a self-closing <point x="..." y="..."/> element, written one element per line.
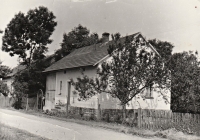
<point x="59" y="130"/>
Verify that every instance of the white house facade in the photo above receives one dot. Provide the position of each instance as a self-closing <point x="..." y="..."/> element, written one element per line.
<point x="59" y="90"/>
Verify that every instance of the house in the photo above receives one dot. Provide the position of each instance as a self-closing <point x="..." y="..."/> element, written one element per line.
<point x="59" y="90"/>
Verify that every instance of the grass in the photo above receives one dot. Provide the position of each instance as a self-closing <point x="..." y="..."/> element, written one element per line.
<point x="170" y="134"/>
<point x="9" y="133"/>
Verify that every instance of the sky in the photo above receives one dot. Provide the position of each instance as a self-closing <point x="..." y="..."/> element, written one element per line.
<point x="175" y="21"/>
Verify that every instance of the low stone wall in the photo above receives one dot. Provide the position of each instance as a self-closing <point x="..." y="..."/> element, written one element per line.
<point x="87" y="113"/>
<point x="108" y="115"/>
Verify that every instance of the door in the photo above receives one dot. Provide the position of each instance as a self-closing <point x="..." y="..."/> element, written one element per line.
<point x="50" y="90"/>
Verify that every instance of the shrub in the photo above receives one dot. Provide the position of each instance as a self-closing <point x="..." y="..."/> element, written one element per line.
<point x="17" y="104"/>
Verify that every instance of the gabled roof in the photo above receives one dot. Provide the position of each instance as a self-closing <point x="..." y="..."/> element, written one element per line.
<point x="86" y="56"/>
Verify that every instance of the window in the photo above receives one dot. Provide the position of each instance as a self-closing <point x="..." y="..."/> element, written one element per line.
<point x="111" y="81"/>
<point x="149" y="91"/>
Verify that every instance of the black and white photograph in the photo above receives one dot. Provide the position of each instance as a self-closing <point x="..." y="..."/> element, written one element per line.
<point x="99" y="69"/>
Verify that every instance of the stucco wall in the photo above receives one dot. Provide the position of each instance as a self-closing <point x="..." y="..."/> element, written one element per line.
<point x="104" y="99"/>
<point x="62" y="93"/>
<point x="159" y="101"/>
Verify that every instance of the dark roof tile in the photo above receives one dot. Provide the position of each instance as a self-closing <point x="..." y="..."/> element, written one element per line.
<point x="85" y="56"/>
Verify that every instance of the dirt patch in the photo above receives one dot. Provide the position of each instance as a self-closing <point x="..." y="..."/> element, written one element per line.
<point x="173" y="134"/>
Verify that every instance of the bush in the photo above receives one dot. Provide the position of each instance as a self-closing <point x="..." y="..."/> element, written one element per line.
<point x="92" y="117"/>
<point x="106" y="117"/>
<point x="17" y="104"/>
<point x="118" y="118"/>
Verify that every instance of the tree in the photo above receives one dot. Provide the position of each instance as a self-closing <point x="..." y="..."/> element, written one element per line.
<point x="79" y="37"/>
<point x="27" y="36"/>
<point x="185" y="72"/>
<point x="130" y="71"/>
<point x="164" y="48"/>
<point x="4" y="70"/>
<point x="4" y="88"/>
<point x="30" y="81"/>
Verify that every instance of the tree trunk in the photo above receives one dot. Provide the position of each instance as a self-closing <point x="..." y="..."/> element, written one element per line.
<point x="5" y="101"/>
<point x="42" y="100"/>
<point x="27" y="94"/>
<point x="27" y="102"/>
<point x="124" y="111"/>
<point x="37" y="102"/>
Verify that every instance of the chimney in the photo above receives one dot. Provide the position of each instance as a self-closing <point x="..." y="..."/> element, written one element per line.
<point x="105" y="37"/>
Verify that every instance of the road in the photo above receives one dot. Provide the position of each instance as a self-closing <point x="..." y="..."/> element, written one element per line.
<point x="59" y="130"/>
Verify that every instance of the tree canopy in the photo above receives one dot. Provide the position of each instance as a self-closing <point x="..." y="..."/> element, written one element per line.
<point x="164" y="48"/>
<point x="4" y="70"/>
<point x="4" y="88"/>
<point x="79" y="37"/>
<point x="28" y="34"/>
<point x="185" y="89"/>
<point x="31" y="80"/>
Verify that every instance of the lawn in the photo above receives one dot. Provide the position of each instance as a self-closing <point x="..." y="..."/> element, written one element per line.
<point x="9" y="133"/>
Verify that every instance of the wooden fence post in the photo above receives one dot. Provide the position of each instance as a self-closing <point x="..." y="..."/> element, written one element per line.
<point x="98" y="112"/>
<point x="139" y="117"/>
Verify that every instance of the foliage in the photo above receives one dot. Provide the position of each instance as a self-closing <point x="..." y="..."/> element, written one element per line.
<point x="185" y="72"/>
<point x="4" y="88"/>
<point x="17" y="103"/>
<point x="131" y="70"/>
<point x="29" y="81"/>
<point x="164" y="48"/>
<point x="79" y="37"/>
<point x="27" y="35"/>
<point x="4" y="70"/>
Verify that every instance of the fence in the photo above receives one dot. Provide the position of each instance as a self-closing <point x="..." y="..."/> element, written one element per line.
<point x="6" y="101"/>
<point x="160" y="119"/>
<point x="32" y="103"/>
<point x="145" y="118"/>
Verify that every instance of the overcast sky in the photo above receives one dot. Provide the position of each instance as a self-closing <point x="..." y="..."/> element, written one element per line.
<point x="176" y="21"/>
